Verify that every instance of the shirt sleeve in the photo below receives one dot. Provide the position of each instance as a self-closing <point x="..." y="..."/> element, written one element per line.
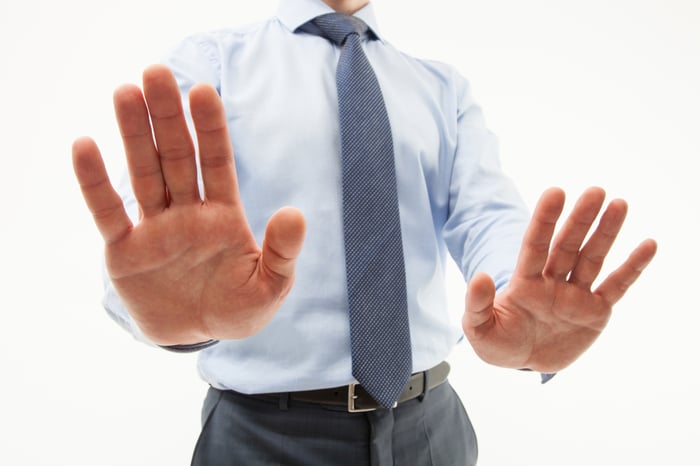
<point x="486" y="216"/>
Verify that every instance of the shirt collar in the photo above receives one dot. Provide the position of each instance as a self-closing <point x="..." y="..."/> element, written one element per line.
<point x="294" y="13"/>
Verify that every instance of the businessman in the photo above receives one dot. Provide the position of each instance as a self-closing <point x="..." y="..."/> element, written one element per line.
<point x="308" y="269"/>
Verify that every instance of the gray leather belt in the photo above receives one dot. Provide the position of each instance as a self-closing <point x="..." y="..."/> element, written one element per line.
<point x="357" y="400"/>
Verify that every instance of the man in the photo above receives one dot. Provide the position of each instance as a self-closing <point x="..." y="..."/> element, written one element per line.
<point x="215" y="263"/>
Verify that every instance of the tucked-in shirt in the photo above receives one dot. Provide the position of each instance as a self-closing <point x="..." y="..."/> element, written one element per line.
<point x="279" y="91"/>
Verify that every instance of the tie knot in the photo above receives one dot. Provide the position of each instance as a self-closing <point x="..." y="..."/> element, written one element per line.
<point x="335" y="27"/>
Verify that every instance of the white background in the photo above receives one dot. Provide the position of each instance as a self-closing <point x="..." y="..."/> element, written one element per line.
<point x="601" y="92"/>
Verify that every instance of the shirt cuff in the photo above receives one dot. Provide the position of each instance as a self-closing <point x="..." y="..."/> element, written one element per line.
<point x="543" y="377"/>
<point x="192" y="348"/>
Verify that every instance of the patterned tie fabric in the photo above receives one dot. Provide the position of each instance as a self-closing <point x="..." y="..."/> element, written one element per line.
<point x="379" y="331"/>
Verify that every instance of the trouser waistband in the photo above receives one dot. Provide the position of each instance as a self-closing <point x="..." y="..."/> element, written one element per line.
<point x="356" y="399"/>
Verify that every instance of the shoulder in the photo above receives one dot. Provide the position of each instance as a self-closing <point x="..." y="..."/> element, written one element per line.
<point x="441" y="77"/>
<point x="230" y="37"/>
<point x="204" y="54"/>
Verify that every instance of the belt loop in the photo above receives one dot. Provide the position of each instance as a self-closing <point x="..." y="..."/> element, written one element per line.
<point x="284" y="401"/>
<point x="426" y="386"/>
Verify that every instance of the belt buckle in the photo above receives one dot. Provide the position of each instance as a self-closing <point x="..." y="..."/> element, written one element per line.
<point x="351" y="401"/>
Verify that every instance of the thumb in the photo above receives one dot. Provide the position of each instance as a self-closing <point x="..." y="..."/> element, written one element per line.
<point x="284" y="237"/>
<point x="479" y="302"/>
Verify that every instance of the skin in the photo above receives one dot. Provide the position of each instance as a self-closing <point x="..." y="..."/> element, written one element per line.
<point x="346" y="6"/>
<point x="549" y="315"/>
<point x="190" y="270"/>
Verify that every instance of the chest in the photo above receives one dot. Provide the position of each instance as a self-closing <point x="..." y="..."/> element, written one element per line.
<point x="282" y="110"/>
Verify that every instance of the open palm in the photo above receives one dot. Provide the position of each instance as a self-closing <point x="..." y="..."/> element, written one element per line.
<point x="549" y="315"/>
<point x="190" y="270"/>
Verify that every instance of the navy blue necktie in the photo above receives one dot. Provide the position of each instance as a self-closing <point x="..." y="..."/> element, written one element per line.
<point x="379" y="331"/>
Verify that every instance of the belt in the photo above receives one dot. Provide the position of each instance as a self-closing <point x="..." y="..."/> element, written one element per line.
<point x="357" y="400"/>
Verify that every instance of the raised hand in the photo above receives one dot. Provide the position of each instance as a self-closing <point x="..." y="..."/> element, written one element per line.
<point x="190" y="270"/>
<point x="549" y="315"/>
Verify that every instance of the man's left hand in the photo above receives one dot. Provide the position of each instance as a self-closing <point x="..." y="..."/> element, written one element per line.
<point x="549" y="314"/>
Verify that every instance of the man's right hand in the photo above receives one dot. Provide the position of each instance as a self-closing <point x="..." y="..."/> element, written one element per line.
<point x="190" y="270"/>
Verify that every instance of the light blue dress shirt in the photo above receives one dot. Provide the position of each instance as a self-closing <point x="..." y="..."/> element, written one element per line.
<point x="279" y="91"/>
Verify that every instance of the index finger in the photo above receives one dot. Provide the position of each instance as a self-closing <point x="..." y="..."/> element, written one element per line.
<point x="538" y="236"/>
